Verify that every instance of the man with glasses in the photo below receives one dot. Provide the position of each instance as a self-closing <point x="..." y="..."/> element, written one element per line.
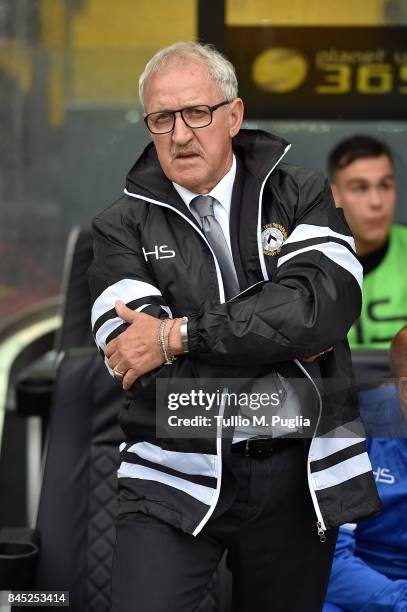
<point x="222" y="262"/>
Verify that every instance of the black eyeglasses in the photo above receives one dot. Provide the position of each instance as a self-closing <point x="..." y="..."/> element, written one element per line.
<point x="194" y="117"/>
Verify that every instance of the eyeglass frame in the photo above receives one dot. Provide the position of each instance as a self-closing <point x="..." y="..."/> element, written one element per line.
<point x="180" y="110"/>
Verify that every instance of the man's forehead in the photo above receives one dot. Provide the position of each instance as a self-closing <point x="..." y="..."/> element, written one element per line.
<point x="368" y="169"/>
<point x="190" y="68"/>
<point x="186" y="81"/>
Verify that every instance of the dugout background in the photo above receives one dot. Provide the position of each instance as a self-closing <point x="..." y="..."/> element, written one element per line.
<point x="71" y="124"/>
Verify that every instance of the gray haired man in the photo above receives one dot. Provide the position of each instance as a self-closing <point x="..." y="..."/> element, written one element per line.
<point x="222" y="261"/>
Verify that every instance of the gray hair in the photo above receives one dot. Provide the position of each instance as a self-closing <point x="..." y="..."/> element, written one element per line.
<point x="219" y="68"/>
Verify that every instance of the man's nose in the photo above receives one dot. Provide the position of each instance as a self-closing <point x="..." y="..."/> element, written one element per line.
<point x="181" y="132"/>
<point x="375" y="198"/>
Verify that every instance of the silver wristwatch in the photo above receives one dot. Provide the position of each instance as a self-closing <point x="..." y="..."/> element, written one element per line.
<point x="183" y="330"/>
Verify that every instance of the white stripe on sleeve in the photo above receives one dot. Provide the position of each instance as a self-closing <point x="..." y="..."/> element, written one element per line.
<point x="335" y="252"/>
<point x="190" y="463"/>
<point x="126" y="290"/>
<point x="341" y="472"/>
<point x="323" y="447"/>
<point x="105" y="330"/>
<point x="109" y="326"/>
<point x="304" y="231"/>
<point x="199" y="492"/>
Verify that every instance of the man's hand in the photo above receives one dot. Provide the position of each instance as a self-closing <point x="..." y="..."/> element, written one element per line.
<point x="136" y="351"/>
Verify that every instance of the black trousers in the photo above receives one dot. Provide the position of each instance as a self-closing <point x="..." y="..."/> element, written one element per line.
<point x="277" y="560"/>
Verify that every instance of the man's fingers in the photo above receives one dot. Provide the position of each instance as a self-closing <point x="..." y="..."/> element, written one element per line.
<point x="110" y="348"/>
<point x="127" y="314"/>
<point x="129" y="379"/>
<point x="113" y="362"/>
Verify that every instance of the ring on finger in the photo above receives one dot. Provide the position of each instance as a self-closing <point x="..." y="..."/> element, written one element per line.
<point x="118" y="374"/>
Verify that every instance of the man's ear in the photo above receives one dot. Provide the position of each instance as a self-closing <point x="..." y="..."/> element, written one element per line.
<point x="335" y="193"/>
<point x="402" y="391"/>
<point x="236" y="111"/>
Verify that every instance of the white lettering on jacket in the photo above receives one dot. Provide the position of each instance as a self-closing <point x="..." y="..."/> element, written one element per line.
<point x="383" y="475"/>
<point x="160" y="252"/>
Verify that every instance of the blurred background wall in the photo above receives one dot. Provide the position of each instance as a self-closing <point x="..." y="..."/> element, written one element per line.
<point x="71" y="124"/>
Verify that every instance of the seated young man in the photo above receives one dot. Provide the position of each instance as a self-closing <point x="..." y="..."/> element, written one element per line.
<point x="363" y="184"/>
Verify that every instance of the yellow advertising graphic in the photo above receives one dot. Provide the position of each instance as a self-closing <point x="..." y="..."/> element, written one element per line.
<point x="321" y="72"/>
<point x="279" y="70"/>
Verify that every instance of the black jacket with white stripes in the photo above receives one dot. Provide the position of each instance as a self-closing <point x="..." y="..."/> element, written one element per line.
<point x="301" y="292"/>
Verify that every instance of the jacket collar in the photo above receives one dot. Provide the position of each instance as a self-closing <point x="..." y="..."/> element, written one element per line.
<point x="258" y="151"/>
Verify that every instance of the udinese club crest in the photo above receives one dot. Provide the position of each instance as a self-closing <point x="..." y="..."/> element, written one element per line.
<point x="273" y="237"/>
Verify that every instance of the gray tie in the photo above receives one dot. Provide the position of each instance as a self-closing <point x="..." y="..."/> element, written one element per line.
<point x="212" y="229"/>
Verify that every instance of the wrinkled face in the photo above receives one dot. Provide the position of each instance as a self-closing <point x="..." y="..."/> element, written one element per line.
<point x="195" y="158"/>
<point x="366" y="191"/>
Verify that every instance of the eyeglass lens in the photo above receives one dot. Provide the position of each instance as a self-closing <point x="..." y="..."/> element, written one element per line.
<point x="194" y="117"/>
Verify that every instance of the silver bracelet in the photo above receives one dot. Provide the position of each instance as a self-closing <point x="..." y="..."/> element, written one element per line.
<point x="183" y="330"/>
<point x="167" y="359"/>
<point x="171" y="356"/>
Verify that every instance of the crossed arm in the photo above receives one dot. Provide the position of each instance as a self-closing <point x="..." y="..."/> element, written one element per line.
<point x="308" y="307"/>
<point x="136" y="352"/>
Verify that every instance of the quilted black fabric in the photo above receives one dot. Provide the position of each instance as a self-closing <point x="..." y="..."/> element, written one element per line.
<point x="77" y="503"/>
<point x="101" y="533"/>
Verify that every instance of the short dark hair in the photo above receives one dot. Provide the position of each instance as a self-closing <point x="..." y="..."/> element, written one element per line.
<point x="356" y="147"/>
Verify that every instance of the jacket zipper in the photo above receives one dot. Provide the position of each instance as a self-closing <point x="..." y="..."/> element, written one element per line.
<point x="259" y="245"/>
<point x="214" y="501"/>
<point x="245" y="290"/>
<point x="321" y="528"/>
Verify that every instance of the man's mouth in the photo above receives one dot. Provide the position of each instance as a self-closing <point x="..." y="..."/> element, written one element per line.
<point x="376" y="222"/>
<point x="188" y="155"/>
